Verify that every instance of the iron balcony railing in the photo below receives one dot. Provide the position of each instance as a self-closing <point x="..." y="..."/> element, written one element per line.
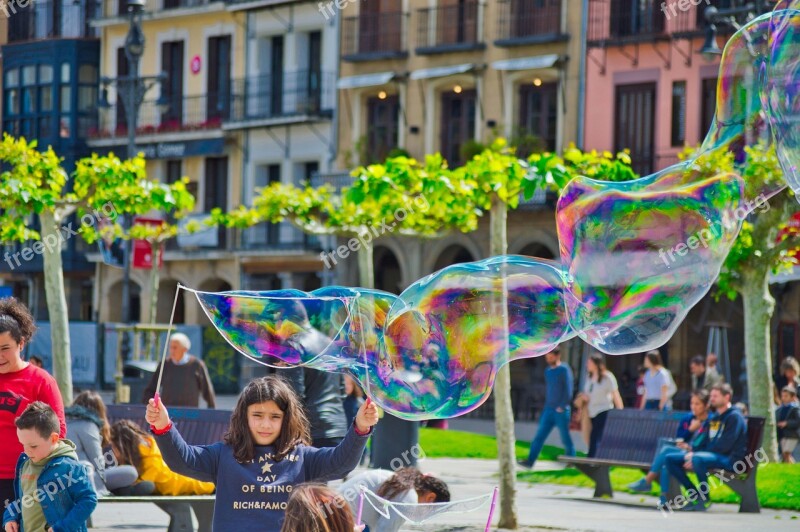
<point x="526" y="20"/>
<point x="283" y="95"/>
<point x="336" y="180"/>
<point x="374" y="34"/>
<point x="621" y="20"/>
<point x="281" y="236"/>
<point x="187" y="113"/>
<point x="119" y="8"/>
<point x="48" y="19"/>
<point x="456" y="26"/>
<point x="613" y="21"/>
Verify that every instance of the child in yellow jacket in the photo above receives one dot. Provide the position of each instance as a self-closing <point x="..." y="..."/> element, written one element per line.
<point x="133" y="446"/>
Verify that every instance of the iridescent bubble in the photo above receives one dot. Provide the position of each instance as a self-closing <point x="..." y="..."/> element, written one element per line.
<point x="635" y="257"/>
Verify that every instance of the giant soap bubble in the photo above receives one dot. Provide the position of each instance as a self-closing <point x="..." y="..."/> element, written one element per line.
<point x="635" y="257"/>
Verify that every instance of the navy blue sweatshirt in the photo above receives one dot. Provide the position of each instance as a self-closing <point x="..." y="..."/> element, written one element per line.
<point x="253" y="495"/>
<point x="558" y="382"/>
<point x="727" y="435"/>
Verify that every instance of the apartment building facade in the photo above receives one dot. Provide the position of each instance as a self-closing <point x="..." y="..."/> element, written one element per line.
<point x="650" y="90"/>
<point x="246" y="105"/>
<point x="423" y="76"/>
<point x="50" y="65"/>
<point x="426" y="76"/>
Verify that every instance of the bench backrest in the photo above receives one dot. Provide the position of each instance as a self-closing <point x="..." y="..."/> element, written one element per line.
<point x="198" y="426"/>
<point x="632" y="435"/>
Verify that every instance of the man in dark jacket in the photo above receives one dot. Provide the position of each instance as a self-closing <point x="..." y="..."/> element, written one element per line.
<point x="185" y="377"/>
<point x="323" y="396"/>
<point x="725" y="446"/>
<point x="787" y="417"/>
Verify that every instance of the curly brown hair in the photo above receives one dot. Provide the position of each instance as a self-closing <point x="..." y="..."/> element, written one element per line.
<point x="407" y="478"/>
<point x="295" y="426"/>
<point x="16" y="319"/>
<point x="126" y="437"/>
<point x="317" y="508"/>
<point x="91" y="400"/>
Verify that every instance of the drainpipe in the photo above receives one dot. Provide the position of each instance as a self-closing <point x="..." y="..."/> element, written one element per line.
<point x="333" y="149"/>
<point x="582" y="75"/>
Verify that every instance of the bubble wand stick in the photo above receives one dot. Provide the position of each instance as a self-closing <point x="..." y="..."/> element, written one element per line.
<point x="491" y="510"/>
<point x="156" y="397"/>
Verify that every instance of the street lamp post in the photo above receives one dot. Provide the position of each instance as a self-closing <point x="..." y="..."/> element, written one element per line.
<point x="131" y="91"/>
<point x="714" y="16"/>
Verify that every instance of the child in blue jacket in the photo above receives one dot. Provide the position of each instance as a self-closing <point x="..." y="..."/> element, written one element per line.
<point x="52" y="490"/>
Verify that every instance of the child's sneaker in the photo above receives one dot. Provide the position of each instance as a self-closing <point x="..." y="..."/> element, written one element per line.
<point x="641" y="486"/>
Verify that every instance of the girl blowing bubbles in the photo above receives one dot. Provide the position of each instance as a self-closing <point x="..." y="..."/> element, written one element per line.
<point x="264" y="455"/>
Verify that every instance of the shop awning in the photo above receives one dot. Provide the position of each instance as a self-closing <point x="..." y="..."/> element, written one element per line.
<point x="527" y="63"/>
<point x="365" y="80"/>
<point x="442" y="72"/>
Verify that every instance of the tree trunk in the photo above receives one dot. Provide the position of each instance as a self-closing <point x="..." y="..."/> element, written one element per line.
<point x="57" y="304"/>
<point x="503" y="413"/>
<point x="758" y="308"/>
<point x="155" y="253"/>
<point x="366" y="269"/>
<point x="152" y="344"/>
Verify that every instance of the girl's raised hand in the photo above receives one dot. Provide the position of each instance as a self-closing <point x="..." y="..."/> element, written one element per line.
<point x="157" y="414"/>
<point x="367" y="416"/>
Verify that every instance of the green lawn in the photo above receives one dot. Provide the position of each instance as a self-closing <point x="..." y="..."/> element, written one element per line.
<point x="778" y="484"/>
<point x="454" y="444"/>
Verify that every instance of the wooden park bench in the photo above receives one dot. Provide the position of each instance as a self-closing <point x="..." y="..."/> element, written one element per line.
<point x="631" y="438"/>
<point x="198" y="427"/>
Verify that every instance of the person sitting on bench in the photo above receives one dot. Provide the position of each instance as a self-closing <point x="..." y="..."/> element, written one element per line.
<point x="725" y="446"/>
<point x="691" y="432"/>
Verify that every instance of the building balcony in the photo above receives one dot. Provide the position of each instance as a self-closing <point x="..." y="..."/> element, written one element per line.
<point x="51" y="19"/>
<point x="220" y="243"/>
<point x="622" y="21"/>
<point x="374" y="36"/>
<point x="618" y="22"/>
<point x="116" y="11"/>
<point x="525" y="22"/>
<point x="288" y="97"/>
<point x="199" y="115"/>
<point x="335" y="180"/>
<point x="279" y="237"/>
<point x="449" y="29"/>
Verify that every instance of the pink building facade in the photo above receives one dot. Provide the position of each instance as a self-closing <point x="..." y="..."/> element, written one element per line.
<point x="648" y="89"/>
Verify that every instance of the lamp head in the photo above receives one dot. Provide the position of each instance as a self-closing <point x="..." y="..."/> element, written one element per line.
<point x="134" y="42"/>
<point x="136" y="5"/>
<point x="710" y="50"/>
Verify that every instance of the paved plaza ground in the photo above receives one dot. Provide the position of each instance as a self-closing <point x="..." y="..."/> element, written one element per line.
<point x="541" y="507"/>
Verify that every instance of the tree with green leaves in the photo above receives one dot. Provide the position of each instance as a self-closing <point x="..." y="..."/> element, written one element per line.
<point x="401" y="197"/>
<point x="497" y="179"/>
<point x="764" y="246"/>
<point x="35" y="184"/>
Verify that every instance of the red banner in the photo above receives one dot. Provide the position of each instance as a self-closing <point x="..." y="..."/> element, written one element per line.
<point x="142" y="252"/>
